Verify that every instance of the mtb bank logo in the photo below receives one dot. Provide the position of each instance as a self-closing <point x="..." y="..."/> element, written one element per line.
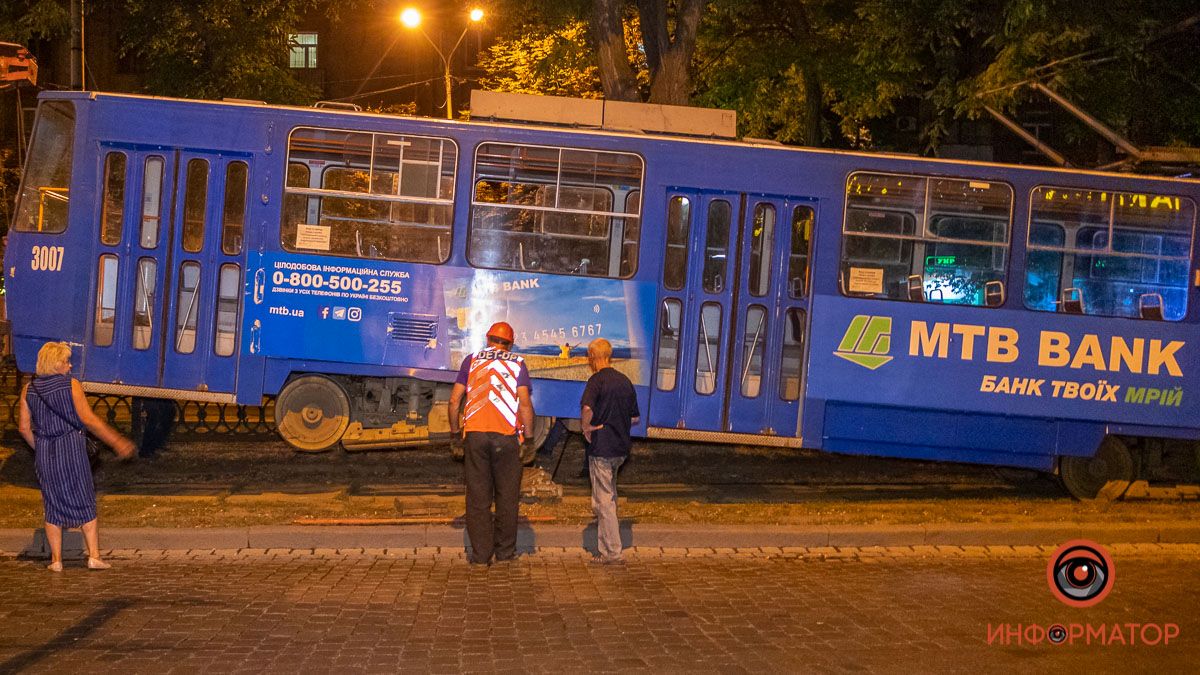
<point x="867" y="341"/>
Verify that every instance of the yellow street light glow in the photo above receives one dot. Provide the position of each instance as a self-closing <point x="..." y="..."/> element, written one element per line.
<point x="476" y="14"/>
<point x="410" y="17"/>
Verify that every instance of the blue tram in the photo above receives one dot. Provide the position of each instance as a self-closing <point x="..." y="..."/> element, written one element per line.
<point x="345" y="262"/>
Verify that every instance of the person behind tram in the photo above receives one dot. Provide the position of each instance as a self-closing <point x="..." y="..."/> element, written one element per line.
<point x="498" y="412"/>
<point x="53" y="416"/>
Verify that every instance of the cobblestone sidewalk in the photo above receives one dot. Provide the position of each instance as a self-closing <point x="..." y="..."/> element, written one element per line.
<point x="822" y="609"/>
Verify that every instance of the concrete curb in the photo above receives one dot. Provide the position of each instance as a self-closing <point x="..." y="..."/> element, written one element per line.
<point x="536" y="535"/>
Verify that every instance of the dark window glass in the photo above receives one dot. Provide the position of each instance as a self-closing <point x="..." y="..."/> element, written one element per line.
<point x="379" y="195"/>
<point x="754" y="339"/>
<point x="538" y="209"/>
<point x="106" y="301"/>
<point x="1043" y="267"/>
<point x="668" y="343"/>
<point x="762" y="241"/>
<point x="708" y="348"/>
<point x="234" y="214"/>
<point x="229" y="305"/>
<point x="792" y="359"/>
<point x="187" y="307"/>
<point x="195" y="201"/>
<point x="803" y="218"/>
<point x="113" y="216"/>
<point x="716" y="245"/>
<point x="152" y="201"/>
<point x="679" y="211"/>
<point x="628" y="231"/>
<point x="144" y="305"/>
<point x="927" y="239"/>
<point x="1109" y="253"/>
<point x="46" y="184"/>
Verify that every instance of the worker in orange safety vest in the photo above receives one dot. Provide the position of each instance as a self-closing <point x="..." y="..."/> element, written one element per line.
<point x="491" y="428"/>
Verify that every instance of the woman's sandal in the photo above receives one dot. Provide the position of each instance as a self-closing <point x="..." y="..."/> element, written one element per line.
<point x="54" y="567"/>
<point x="97" y="564"/>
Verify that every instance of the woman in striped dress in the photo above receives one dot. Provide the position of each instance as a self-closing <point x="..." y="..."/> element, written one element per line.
<point x="54" y="414"/>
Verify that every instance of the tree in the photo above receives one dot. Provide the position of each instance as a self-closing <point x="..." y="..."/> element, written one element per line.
<point x="662" y="32"/>
<point x="669" y="29"/>
<point x="23" y="21"/>
<point x="554" y="61"/>
<point x="215" y="48"/>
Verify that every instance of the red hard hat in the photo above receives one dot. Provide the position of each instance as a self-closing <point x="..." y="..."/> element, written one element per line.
<point x="502" y="331"/>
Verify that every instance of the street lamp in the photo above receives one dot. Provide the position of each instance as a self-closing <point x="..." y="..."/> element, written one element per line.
<point x="411" y="18"/>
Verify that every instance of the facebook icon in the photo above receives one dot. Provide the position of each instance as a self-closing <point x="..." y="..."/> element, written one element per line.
<point x="324" y="312"/>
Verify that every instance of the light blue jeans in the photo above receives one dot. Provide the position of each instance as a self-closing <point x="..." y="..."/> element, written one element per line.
<point x="603" y="471"/>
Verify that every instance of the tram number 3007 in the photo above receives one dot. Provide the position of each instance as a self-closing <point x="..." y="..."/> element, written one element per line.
<point x="47" y="258"/>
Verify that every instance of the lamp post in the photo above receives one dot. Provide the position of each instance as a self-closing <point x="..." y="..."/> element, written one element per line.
<point x="411" y="18"/>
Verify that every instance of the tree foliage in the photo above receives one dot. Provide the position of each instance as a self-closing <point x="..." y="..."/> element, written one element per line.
<point x="215" y="48"/>
<point x="837" y="72"/>
<point x="23" y="21"/>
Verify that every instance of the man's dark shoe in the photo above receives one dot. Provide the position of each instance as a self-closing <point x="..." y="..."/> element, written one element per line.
<point x="602" y="560"/>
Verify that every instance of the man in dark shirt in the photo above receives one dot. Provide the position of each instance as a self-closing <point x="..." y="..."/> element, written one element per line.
<point x="607" y="411"/>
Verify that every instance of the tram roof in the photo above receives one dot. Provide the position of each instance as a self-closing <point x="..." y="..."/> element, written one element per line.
<point x="465" y="124"/>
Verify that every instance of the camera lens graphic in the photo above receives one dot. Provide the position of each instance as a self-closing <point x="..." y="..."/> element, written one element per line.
<point x="1080" y="573"/>
<point x="1057" y="634"/>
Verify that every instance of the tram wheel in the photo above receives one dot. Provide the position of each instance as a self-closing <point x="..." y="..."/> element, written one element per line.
<point x="541" y="429"/>
<point x="1103" y="477"/>
<point x="312" y="412"/>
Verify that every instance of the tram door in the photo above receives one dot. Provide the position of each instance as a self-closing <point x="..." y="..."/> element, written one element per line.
<point x="169" y="277"/>
<point x="733" y="313"/>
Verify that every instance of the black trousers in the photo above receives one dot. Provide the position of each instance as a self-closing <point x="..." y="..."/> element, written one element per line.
<point x="492" y="467"/>
<point x="153" y="419"/>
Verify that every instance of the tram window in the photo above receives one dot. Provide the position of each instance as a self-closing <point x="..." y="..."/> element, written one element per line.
<point x="668" y="344"/>
<point x="762" y="241"/>
<point x="195" y="201"/>
<point x="754" y="338"/>
<point x="46" y="185"/>
<point x="708" y="348"/>
<point x="1044" y="266"/>
<point x="143" y="303"/>
<point x="229" y="299"/>
<point x="113" y="214"/>
<point x="792" y="355"/>
<point x="152" y="183"/>
<point x="630" y="234"/>
<point x="234" y="214"/>
<point x="106" y="301"/>
<point x="803" y="218"/>
<point x="716" y="245"/>
<point x="679" y="211"/>
<point x="545" y="209"/>
<point x="295" y="205"/>
<point x="951" y="234"/>
<point x="186" y="307"/>
<point x="379" y="196"/>
<point x="1127" y="254"/>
